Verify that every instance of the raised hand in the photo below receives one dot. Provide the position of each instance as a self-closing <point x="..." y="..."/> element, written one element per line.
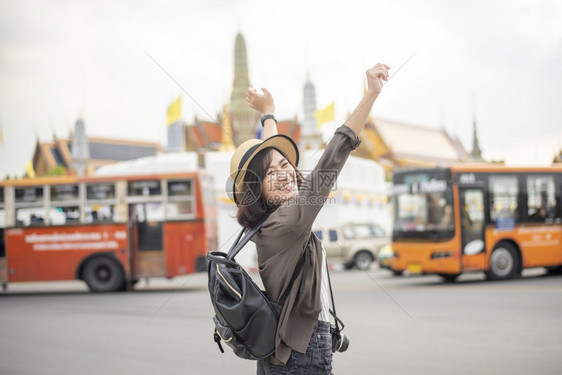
<point x="263" y="103"/>
<point x="376" y="76"/>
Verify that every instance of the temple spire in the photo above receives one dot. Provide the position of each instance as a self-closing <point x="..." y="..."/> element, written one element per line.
<point x="311" y="138"/>
<point x="80" y="148"/>
<point x="476" y="152"/>
<point x="243" y="118"/>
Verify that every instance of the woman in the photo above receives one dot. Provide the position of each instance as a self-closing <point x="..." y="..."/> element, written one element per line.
<point x="268" y="186"/>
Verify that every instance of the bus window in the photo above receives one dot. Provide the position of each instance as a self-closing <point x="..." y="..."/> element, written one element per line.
<point x="100" y="203"/>
<point x="104" y="191"/>
<point x="64" y="193"/>
<point x="144" y="188"/>
<point x="425" y="211"/>
<point x="29" y="206"/>
<point x="96" y="213"/>
<point x="29" y="195"/>
<point x="503" y="197"/>
<point x="541" y="199"/>
<point x="64" y="204"/>
<point x="64" y="215"/>
<point x="30" y="216"/>
<point x="179" y="188"/>
<point x="180" y="199"/>
<point x="178" y="210"/>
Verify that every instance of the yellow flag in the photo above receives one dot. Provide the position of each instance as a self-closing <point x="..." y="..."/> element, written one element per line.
<point x="29" y="170"/>
<point x="1" y="135"/>
<point x="324" y="115"/>
<point x="174" y="111"/>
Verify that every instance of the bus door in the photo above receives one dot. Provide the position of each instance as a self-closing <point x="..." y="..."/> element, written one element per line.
<point x="471" y="205"/>
<point x="146" y="233"/>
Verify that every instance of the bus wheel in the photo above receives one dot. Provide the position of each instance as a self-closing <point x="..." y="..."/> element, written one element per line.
<point x="503" y="262"/>
<point x="363" y="260"/>
<point x="449" y="278"/>
<point x="103" y="275"/>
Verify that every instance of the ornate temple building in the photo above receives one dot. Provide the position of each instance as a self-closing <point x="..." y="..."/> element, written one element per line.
<point x="393" y="144"/>
<point x="237" y="119"/>
<point x="396" y="145"/>
<point x="82" y="155"/>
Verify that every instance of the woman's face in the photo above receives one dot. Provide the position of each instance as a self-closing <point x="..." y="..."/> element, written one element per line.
<point x="280" y="181"/>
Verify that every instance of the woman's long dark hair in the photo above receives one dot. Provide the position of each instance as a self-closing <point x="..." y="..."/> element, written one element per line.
<point x="253" y="206"/>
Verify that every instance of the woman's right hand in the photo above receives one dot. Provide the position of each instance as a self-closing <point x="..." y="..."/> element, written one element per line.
<point x="376" y="76"/>
<point x="264" y="104"/>
<point x="375" y="80"/>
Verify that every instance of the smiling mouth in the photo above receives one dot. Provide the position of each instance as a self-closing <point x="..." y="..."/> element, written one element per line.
<point x="288" y="187"/>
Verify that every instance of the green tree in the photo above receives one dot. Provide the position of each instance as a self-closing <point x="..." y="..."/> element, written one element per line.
<point x="58" y="170"/>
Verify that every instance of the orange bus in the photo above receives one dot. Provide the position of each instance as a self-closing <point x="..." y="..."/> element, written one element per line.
<point x="488" y="218"/>
<point x="106" y="231"/>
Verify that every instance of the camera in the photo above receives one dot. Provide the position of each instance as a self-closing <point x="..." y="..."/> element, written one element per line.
<point x="340" y="342"/>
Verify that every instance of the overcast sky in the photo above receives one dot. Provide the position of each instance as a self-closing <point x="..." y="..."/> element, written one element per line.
<point x="501" y="60"/>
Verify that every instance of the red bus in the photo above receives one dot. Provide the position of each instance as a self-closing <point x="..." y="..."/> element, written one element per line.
<point x="106" y="231"/>
<point x="489" y="218"/>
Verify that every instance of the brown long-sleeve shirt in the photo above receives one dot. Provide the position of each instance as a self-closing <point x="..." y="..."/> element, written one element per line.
<point x="282" y="240"/>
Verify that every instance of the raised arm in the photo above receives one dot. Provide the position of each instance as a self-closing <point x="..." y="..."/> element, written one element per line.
<point x="265" y="105"/>
<point x="375" y="78"/>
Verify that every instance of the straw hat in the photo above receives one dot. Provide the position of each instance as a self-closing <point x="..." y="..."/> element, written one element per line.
<point x="249" y="149"/>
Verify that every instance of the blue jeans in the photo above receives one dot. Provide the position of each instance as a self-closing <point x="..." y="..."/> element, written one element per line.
<point x="316" y="361"/>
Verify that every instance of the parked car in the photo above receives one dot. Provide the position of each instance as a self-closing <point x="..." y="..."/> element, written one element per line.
<point x="354" y="244"/>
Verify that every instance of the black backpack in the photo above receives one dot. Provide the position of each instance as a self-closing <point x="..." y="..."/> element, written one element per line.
<point x="245" y="319"/>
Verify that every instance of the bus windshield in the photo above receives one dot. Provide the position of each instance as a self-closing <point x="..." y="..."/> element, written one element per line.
<point x="423" y="207"/>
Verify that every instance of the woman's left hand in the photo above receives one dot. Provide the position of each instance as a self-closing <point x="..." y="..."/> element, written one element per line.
<point x="264" y="104"/>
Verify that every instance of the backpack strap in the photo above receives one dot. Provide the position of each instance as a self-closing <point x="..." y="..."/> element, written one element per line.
<point x="240" y="243"/>
<point x="304" y="259"/>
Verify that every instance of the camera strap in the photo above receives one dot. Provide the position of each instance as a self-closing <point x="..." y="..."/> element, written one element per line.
<point x="333" y="310"/>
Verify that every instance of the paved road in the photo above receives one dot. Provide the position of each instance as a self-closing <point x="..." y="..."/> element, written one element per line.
<point x="408" y="325"/>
